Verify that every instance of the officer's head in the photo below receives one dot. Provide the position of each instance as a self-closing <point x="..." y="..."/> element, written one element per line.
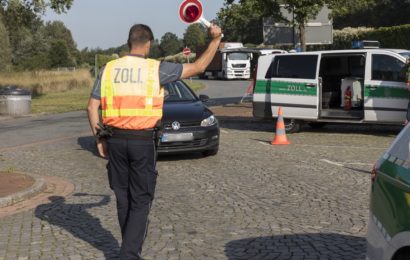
<point x="140" y="36"/>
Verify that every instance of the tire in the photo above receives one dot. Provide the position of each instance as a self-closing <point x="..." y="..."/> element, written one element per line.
<point x="317" y="125"/>
<point x="211" y="152"/>
<point x="292" y="126"/>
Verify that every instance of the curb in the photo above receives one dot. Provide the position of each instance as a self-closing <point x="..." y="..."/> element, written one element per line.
<point x="38" y="186"/>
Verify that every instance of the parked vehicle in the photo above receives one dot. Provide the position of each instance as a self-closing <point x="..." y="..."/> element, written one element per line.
<point x="231" y="61"/>
<point x="351" y="86"/>
<point x="388" y="235"/>
<point x="187" y="124"/>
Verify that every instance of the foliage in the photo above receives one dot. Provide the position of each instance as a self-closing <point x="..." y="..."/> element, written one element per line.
<point x="242" y="21"/>
<point x="5" y="50"/>
<point x="155" y="51"/>
<point x="39" y="6"/>
<point x="383" y="13"/>
<point x="194" y="36"/>
<point x="59" y="55"/>
<point x="389" y="37"/>
<point x="170" y="44"/>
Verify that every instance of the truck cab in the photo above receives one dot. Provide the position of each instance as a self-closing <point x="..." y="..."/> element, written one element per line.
<point x="352" y="86"/>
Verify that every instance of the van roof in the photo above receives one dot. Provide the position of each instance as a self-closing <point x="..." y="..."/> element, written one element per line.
<point x="398" y="51"/>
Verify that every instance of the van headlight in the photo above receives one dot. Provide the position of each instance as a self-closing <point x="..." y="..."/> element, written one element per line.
<point x="210" y="121"/>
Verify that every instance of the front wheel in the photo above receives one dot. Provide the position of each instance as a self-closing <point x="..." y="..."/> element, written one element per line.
<point x="292" y="125"/>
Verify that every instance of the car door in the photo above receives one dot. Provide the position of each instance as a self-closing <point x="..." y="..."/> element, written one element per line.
<point x="386" y="94"/>
<point x="294" y="85"/>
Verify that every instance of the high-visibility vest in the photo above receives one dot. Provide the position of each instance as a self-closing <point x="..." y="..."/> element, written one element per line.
<point x="131" y="96"/>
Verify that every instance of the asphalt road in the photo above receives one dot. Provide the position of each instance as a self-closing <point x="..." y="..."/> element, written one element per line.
<point x="307" y="200"/>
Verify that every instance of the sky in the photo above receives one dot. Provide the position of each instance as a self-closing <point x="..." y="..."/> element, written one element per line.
<point x="105" y="23"/>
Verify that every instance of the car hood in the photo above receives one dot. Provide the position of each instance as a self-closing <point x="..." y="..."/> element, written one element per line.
<point x="185" y="111"/>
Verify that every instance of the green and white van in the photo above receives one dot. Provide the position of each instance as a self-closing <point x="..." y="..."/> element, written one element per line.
<point x="311" y="87"/>
<point x="388" y="235"/>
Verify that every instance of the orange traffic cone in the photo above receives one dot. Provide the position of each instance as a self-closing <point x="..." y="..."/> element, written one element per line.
<point x="280" y="137"/>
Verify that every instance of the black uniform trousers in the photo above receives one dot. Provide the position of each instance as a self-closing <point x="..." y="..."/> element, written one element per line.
<point x="132" y="176"/>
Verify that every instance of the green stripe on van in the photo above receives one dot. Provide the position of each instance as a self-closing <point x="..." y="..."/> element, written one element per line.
<point x="386" y="92"/>
<point x="284" y="88"/>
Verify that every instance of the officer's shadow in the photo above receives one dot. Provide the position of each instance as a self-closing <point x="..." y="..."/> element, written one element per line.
<point x="75" y="219"/>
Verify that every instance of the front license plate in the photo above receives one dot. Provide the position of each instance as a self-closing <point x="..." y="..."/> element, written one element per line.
<point x="181" y="137"/>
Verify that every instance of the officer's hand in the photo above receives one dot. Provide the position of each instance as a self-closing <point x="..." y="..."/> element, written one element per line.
<point x="215" y="31"/>
<point x="102" y="148"/>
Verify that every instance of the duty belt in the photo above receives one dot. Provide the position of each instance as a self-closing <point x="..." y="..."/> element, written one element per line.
<point x="146" y="134"/>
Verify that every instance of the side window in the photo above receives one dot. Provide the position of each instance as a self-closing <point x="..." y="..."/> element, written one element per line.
<point x="388" y="68"/>
<point x="295" y="66"/>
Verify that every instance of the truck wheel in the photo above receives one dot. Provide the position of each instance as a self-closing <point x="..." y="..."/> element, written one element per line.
<point x="292" y="126"/>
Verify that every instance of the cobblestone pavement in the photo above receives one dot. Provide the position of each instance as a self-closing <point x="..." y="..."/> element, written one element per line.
<point x="308" y="200"/>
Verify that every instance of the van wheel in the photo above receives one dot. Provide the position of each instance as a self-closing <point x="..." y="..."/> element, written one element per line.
<point x="292" y="126"/>
<point x="317" y="125"/>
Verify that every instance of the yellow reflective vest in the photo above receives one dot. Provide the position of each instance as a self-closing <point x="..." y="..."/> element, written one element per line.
<point x="131" y="96"/>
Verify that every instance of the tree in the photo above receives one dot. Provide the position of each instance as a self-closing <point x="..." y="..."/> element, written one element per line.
<point x="194" y="36"/>
<point x="39" y="6"/>
<point x="59" y="55"/>
<point x="5" y="50"/>
<point x="170" y="44"/>
<point x="383" y="13"/>
<point x="57" y="30"/>
<point x="236" y="16"/>
<point x="155" y="51"/>
<point x="242" y="21"/>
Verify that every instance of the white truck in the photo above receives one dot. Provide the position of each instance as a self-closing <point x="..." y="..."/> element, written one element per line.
<point x="232" y="61"/>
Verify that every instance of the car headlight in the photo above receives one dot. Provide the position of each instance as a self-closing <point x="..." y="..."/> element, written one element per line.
<point x="210" y="121"/>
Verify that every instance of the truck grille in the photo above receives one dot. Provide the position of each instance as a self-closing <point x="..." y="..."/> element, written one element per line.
<point x="238" y="65"/>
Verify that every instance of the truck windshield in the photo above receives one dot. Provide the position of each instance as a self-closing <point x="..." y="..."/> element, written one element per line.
<point x="238" y="56"/>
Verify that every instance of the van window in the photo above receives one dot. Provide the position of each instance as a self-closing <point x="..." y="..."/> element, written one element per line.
<point x="295" y="66"/>
<point x="388" y="68"/>
<point x="401" y="146"/>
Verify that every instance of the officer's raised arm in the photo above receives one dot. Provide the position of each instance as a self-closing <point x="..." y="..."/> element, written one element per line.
<point x="202" y="62"/>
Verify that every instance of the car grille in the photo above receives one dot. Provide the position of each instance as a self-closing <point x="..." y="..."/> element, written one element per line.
<point x="183" y="145"/>
<point x="238" y="65"/>
<point x="168" y="125"/>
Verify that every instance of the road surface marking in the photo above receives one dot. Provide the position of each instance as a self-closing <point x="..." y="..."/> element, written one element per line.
<point x="264" y="143"/>
<point x="333" y="163"/>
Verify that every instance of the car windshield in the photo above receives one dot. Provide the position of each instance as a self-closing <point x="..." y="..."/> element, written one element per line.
<point x="177" y="92"/>
<point x="405" y="54"/>
<point x="238" y="56"/>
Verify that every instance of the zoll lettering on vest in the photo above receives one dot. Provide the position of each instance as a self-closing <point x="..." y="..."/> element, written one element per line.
<point x="131" y="96"/>
<point x="128" y="75"/>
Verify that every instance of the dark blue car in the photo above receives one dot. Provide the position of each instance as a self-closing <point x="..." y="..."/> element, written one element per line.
<point x="187" y="124"/>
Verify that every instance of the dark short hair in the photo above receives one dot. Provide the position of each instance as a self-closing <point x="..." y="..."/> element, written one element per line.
<point x="139" y="35"/>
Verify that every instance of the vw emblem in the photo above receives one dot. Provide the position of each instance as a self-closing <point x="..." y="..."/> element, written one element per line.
<point x="176" y="126"/>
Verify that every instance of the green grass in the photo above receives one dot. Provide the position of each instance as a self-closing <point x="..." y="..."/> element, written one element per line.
<point x="75" y="99"/>
<point x="60" y="102"/>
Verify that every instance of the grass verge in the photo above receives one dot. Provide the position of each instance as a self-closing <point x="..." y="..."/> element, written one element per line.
<point x="75" y="99"/>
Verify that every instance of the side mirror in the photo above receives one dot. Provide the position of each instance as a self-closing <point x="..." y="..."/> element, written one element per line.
<point x="204" y="98"/>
